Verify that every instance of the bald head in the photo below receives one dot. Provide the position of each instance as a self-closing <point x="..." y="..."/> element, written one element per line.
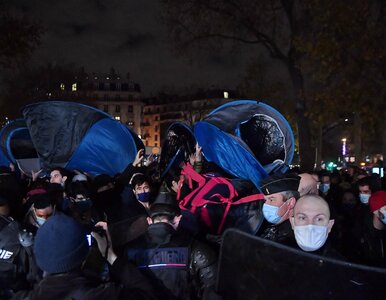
<point x="312" y="209"/>
<point x="308" y="185"/>
<point x="312" y="203"/>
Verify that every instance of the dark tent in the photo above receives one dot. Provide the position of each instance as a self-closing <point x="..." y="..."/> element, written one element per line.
<point x="178" y="144"/>
<point x="247" y="138"/>
<point x="16" y="144"/>
<point x="74" y="136"/>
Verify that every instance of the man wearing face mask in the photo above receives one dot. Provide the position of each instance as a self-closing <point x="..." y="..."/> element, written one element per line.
<point x="41" y="209"/>
<point x="367" y="186"/>
<point x="178" y="266"/>
<point x="139" y="203"/>
<point x="325" y="184"/>
<point x="81" y="206"/>
<point x="330" y="190"/>
<point x="372" y="251"/>
<point x="280" y="193"/>
<point x="312" y="224"/>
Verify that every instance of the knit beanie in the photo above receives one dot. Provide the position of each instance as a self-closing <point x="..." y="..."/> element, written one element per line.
<point x="60" y="244"/>
<point x="377" y="200"/>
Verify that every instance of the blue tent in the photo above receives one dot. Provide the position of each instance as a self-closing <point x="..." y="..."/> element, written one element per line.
<point x="15" y="143"/>
<point x="71" y="135"/>
<point x="247" y="138"/>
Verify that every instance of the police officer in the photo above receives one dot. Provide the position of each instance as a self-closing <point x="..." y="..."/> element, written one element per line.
<point x="61" y="249"/>
<point x="179" y="266"/>
<point x="17" y="265"/>
<point x="280" y="194"/>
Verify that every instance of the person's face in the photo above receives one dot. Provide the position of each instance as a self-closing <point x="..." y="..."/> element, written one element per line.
<point x="277" y="200"/>
<point x="364" y="189"/>
<point x="311" y="212"/>
<point x="78" y="198"/>
<point x="44" y="213"/>
<point x="325" y="179"/>
<point x="56" y="177"/>
<point x="141" y="188"/>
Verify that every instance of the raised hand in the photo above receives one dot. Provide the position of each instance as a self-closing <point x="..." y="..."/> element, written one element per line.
<point x="138" y="158"/>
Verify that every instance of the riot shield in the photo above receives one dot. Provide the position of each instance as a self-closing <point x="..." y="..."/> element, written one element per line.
<point x="254" y="268"/>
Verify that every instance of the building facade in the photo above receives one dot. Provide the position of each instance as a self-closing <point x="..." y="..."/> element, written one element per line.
<point x="116" y="95"/>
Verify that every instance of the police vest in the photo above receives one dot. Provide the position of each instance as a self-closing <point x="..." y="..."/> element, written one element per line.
<point x="168" y="269"/>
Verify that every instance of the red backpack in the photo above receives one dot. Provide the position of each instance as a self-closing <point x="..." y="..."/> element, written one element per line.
<point x="213" y="200"/>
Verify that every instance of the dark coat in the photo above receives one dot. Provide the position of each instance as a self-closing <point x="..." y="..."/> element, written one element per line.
<point x="127" y="283"/>
<point x="179" y="267"/>
<point x="281" y="233"/>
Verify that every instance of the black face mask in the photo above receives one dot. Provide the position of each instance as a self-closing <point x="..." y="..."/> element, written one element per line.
<point x="83" y="205"/>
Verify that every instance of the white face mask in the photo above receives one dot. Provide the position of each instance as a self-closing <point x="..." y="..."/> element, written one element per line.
<point x="310" y="237"/>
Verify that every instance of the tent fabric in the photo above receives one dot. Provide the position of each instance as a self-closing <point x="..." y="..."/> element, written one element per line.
<point x="262" y="269"/>
<point x="247" y="138"/>
<point x="27" y="165"/>
<point x="174" y="150"/>
<point x="16" y="128"/>
<point x="107" y="148"/>
<point x="57" y="127"/>
<point x="68" y="134"/>
<point x="229" y="152"/>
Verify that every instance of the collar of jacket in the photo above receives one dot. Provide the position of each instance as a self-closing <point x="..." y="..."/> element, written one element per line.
<point x="160" y="233"/>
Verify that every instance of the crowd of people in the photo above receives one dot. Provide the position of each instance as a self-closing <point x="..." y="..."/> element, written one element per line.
<point x="136" y="235"/>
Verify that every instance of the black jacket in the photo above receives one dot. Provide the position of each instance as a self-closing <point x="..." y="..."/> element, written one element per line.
<point x="281" y="233"/>
<point x="127" y="283"/>
<point x="179" y="267"/>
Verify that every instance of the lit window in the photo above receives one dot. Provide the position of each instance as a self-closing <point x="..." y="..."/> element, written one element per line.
<point x="62" y="86"/>
<point x="118" y="118"/>
<point x="226" y="95"/>
<point x="73" y="88"/>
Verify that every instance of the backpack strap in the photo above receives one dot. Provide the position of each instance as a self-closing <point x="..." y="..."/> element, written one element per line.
<point x="246" y="199"/>
<point x="196" y="199"/>
<point x="191" y="175"/>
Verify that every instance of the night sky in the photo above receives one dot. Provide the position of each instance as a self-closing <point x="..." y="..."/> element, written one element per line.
<point x="129" y="36"/>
